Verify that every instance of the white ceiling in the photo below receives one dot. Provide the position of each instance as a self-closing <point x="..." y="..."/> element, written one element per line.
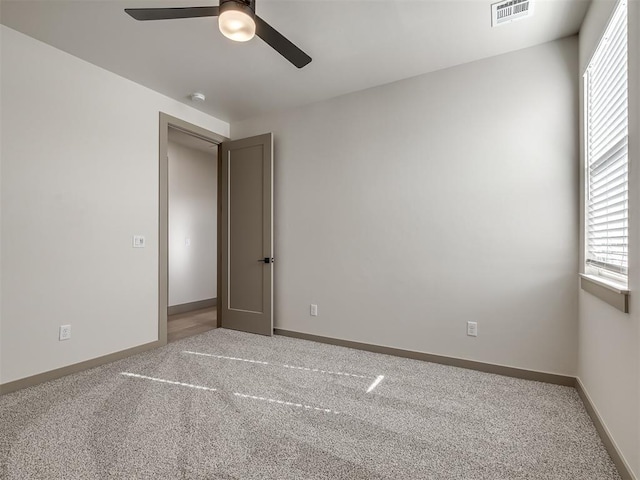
<point x="354" y="45"/>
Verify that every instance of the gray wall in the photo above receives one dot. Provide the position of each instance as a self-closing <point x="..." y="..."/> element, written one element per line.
<point x="1" y="356"/>
<point x="406" y="210"/>
<point x="609" y="340"/>
<point x="79" y="179"/>
<point x="193" y="200"/>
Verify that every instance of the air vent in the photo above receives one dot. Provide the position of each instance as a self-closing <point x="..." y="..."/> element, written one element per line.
<point x="509" y="11"/>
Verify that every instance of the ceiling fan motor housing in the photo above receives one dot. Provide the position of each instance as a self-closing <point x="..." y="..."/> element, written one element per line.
<point x="246" y="6"/>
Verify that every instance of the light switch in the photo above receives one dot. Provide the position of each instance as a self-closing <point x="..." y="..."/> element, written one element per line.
<point x="187" y="242"/>
<point x="138" y="241"/>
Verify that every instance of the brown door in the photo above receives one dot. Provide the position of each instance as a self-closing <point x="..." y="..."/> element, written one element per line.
<point x="247" y="234"/>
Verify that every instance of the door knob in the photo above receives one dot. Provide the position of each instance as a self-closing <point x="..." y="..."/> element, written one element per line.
<point x="266" y="260"/>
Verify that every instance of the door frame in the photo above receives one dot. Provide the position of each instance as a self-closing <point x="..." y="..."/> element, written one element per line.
<point x="167" y="121"/>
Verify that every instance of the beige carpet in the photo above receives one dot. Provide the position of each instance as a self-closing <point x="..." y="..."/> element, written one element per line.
<point x="229" y="405"/>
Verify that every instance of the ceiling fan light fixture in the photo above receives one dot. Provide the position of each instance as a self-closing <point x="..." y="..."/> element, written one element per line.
<point x="236" y="22"/>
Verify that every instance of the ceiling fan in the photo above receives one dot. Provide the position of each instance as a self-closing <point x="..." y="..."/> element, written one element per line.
<point x="237" y="20"/>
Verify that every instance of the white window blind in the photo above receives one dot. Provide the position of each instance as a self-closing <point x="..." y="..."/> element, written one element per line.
<point x="606" y="148"/>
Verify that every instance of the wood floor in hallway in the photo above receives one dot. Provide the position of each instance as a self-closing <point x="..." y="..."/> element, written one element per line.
<point x="187" y="324"/>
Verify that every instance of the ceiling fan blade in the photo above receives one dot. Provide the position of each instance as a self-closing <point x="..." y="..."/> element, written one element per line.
<point x="283" y="46"/>
<point x="171" y="13"/>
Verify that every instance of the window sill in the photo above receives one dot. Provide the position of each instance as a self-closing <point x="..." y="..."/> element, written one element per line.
<point x="615" y="294"/>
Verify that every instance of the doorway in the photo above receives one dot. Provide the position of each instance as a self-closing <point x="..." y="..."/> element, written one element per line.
<point x="193" y="209"/>
<point x="189" y="257"/>
<point x="244" y="259"/>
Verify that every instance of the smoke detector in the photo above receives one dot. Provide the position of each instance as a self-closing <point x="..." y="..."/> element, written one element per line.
<point x="510" y="11"/>
<point x="198" y="97"/>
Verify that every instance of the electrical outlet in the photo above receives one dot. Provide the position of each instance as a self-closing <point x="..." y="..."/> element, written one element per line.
<point x="65" y="332"/>
<point x="314" y="310"/>
<point x="472" y="329"/>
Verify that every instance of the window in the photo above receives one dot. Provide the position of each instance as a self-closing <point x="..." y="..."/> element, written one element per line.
<point x="606" y="133"/>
